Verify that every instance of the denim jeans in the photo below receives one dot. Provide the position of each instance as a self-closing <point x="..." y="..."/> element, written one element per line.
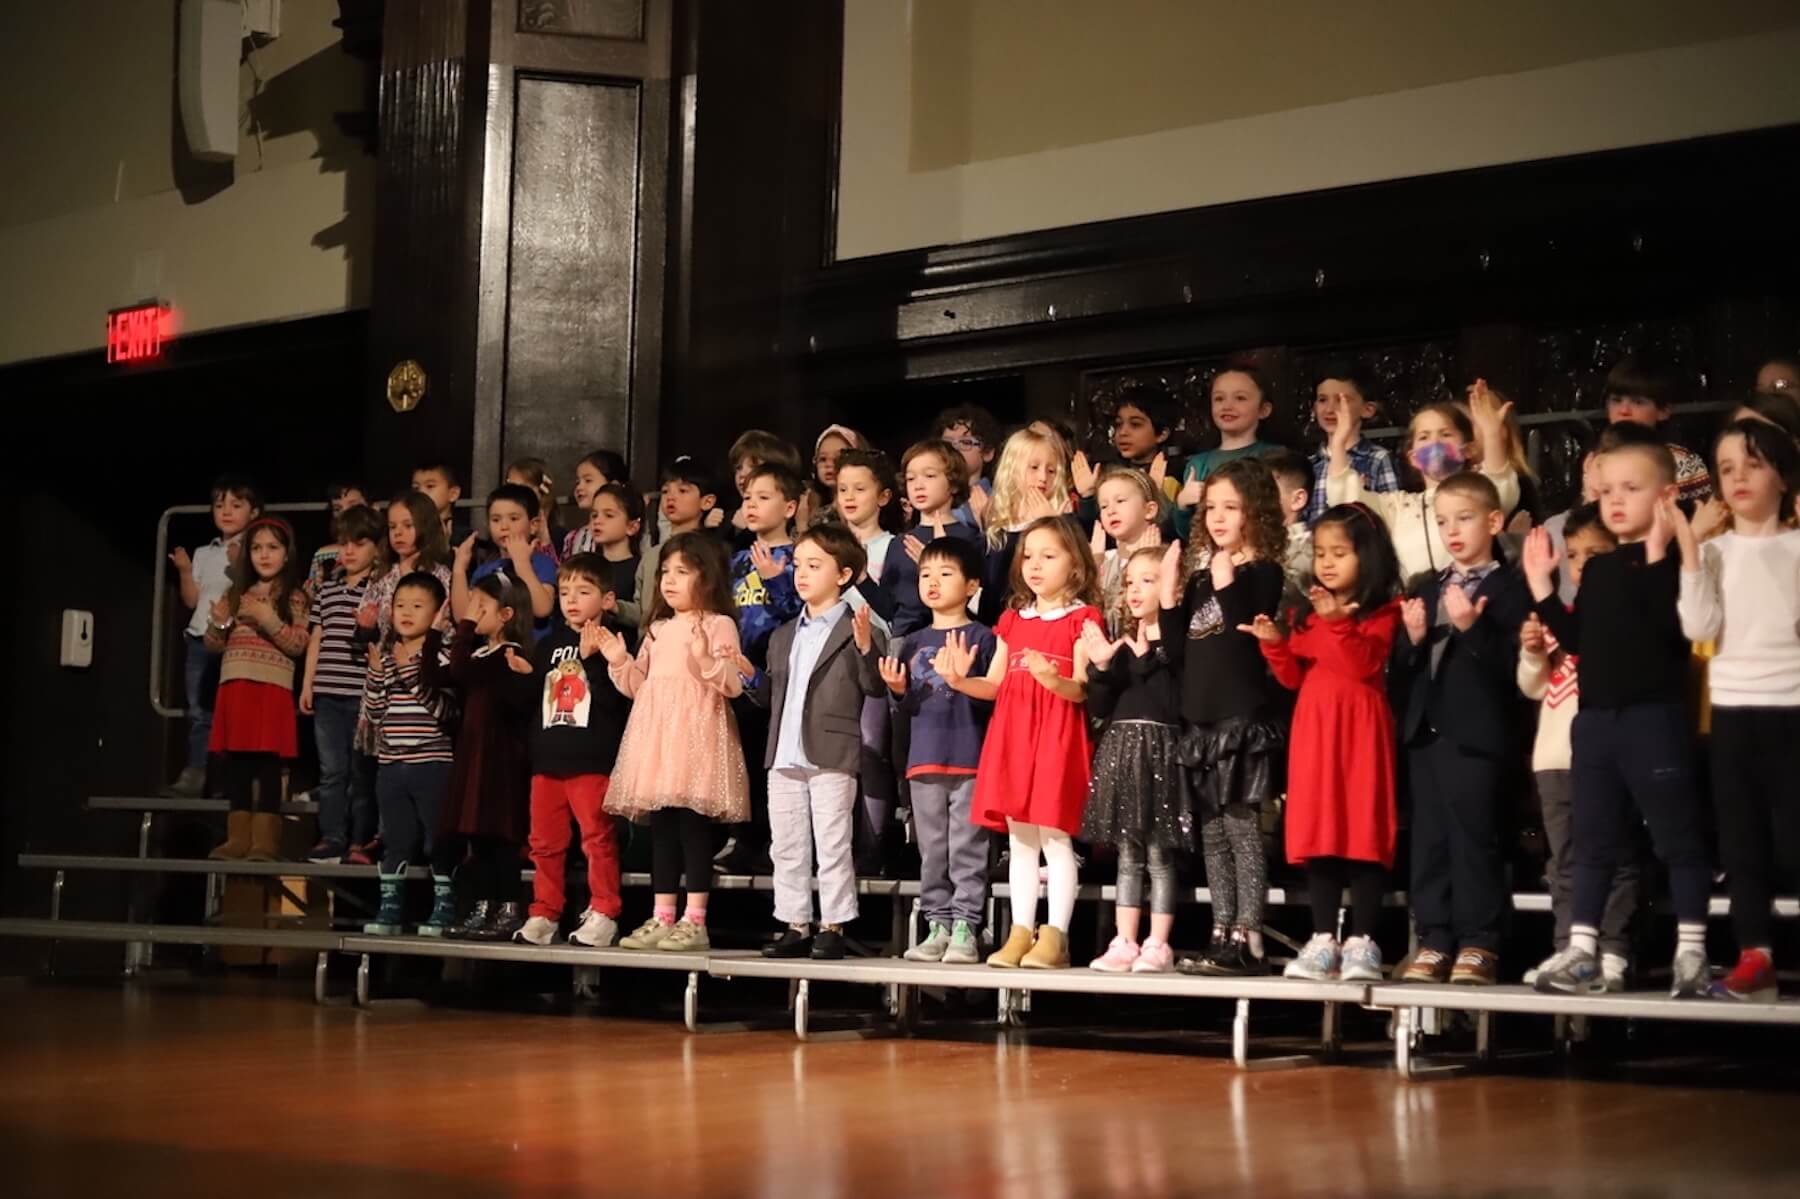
<point x="200" y="676"/>
<point x="346" y="777"/>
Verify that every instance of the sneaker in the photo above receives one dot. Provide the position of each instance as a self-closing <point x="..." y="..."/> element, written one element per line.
<point x="366" y="854"/>
<point x="647" y="935"/>
<point x="1615" y="971"/>
<point x="1427" y="966"/>
<point x="326" y="852"/>
<point x="1476" y="967"/>
<point x="1751" y="980"/>
<point x="685" y="937"/>
<point x="539" y="930"/>
<point x="1362" y="961"/>
<point x="933" y="947"/>
<point x="1571" y="972"/>
<point x="1154" y="958"/>
<point x="1119" y="957"/>
<point x="471" y="924"/>
<point x="1693" y="974"/>
<point x="964" y="948"/>
<point x="509" y="919"/>
<point x="1318" y="960"/>
<point x="597" y="930"/>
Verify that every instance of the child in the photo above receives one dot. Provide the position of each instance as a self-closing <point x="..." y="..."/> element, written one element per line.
<point x="944" y="736"/>
<point x="827" y="448"/>
<point x="412" y="714"/>
<point x="680" y="765"/>
<point x="1455" y="674"/>
<point x="341" y="497"/>
<point x="486" y="809"/>
<point x="259" y="626"/>
<point x="936" y="487"/>
<point x="1129" y="504"/>
<point x="1340" y="797"/>
<point x="1742" y="591"/>
<point x="1232" y="715"/>
<point x="821" y="667"/>
<point x="534" y="473"/>
<point x="415" y="542"/>
<point x="1033" y="778"/>
<point x="1240" y="404"/>
<point x="1547" y="673"/>
<point x="512" y="513"/>
<point x="331" y="690"/>
<point x="575" y="736"/>
<point x="1639" y="392"/>
<point x="974" y="433"/>
<point x="1032" y="481"/>
<point x="596" y="470"/>
<point x="615" y="529"/>
<point x="1135" y="798"/>
<point x="1440" y="440"/>
<point x="759" y="447"/>
<point x="1633" y="741"/>
<point x="689" y="499"/>
<point x="1293" y="483"/>
<point x="1143" y="421"/>
<point x="438" y="482"/>
<point x="1340" y="387"/>
<point x="203" y="579"/>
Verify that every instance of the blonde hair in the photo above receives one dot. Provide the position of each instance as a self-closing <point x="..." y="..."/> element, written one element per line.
<point x="1140" y="482"/>
<point x="1008" y="500"/>
<point x="1119" y="616"/>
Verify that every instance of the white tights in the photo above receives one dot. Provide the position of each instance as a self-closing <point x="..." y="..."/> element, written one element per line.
<point x="1026" y="843"/>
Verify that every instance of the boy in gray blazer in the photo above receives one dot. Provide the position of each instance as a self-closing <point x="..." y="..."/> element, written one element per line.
<point x="822" y="665"/>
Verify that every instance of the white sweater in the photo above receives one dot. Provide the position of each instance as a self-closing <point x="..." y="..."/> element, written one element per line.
<point x="1409" y="516"/>
<point x="1745" y="598"/>
<point x="1559" y="694"/>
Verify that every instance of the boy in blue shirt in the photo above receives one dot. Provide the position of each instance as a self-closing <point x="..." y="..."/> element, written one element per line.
<point x="947" y="727"/>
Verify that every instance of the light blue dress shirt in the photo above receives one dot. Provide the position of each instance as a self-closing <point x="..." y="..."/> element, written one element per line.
<point x="810" y="635"/>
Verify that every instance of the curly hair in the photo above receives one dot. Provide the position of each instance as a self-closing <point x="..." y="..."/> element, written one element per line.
<point x="1265" y="529"/>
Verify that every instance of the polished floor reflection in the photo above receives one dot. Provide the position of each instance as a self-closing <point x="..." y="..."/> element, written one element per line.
<point x="175" y="1091"/>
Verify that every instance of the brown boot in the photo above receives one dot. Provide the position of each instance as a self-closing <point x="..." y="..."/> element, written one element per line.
<point x="1008" y="956"/>
<point x="265" y="837"/>
<point x="1051" y="952"/>
<point x="237" y="838"/>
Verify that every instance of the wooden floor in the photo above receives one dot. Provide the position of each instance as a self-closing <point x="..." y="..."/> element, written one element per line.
<point x="197" y="1091"/>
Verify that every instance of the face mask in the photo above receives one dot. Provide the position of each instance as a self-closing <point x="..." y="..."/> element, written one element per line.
<point x="1437" y="460"/>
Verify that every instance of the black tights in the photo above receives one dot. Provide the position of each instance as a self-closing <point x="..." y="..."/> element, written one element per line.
<point x="244" y="774"/>
<point x="680" y="838"/>
<point x="1326" y="879"/>
<point x="490" y="866"/>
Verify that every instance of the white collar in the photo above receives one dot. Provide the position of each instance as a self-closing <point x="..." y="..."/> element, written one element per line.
<point x="491" y="648"/>
<point x="1034" y="613"/>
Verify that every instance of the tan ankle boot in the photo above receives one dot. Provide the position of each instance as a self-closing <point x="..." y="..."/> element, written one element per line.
<point x="237" y="838"/>
<point x="1051" y="952"/>
<point x="265" y="837"/>
<point x="1008" y="956"/>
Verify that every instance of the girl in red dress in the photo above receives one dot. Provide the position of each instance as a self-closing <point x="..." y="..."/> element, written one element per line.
<point x="1340" y="807"/>
<point x="1032" y="782"/>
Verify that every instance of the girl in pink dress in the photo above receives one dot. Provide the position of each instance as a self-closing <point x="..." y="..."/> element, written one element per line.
<point x="680" y="766"/>
<point x="1032" y="782"/>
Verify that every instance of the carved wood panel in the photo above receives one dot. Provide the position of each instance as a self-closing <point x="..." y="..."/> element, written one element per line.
<point x="616" y="19"/>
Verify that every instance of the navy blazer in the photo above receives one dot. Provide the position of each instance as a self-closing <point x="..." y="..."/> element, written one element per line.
<point x="1473" y="697"/>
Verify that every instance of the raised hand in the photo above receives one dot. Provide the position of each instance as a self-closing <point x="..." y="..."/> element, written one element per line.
<point x="913" y="546"/>
<point x="1152" y="536"/>
<point x="1539" y="558"/>
<point x="1532" y="637"/>
<point x="1263" y="628"/>
<point x="1097" y="541"/>
<point x="465" y="553"/>
<point x="700" y="646"/>
<point x="1709" y="518"/>
<point x="1098" y="648"/>
<point x="978" y="503"/>
<point x="257" y="610"/>
<point x="859" y="629"/>
<point x="1663" y="519"/>
<point x="740" y="519"/>
<point x="1412" y="615"/>
<point x="182" y="563"/>
<point x="893" y="673"/>
<point x="590" y="638"/>
<point x="763" y="558"/>
<point x="1083" y="473"/>
<point x="612" y="646"/>
<point x="1168" y="576"/>
<point x="1159" y="470"/>
<point x="221" y="611"/>
<point x="1349" y="424"/>
<point x="1461" y="613"/>
<point x="954" y="661"/>
<point x="518" y="551"/>
<point x="1189" y="495"/>
<point x="1327" y="606"/>
<point x="1488" y="415"/>
<point x="366" y="615"/>
<point x="515" y="663"/>
<point x="713" y="519"/>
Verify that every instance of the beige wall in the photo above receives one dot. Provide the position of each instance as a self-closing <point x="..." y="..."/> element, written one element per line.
<point x="91" y="216"/>
<point x="973" y="118"/>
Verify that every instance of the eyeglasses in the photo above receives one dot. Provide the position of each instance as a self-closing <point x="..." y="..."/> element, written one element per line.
<point x="967" y="443"/>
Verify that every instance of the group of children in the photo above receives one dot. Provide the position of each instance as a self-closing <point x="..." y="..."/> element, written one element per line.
<point x="1005" y="639"/>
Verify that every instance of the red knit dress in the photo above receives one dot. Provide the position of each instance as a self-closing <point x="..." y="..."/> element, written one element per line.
<point x="1340" y="801"/>
<point x="1034" y="763"/>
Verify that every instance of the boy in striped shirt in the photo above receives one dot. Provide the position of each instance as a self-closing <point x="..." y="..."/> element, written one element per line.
<point x="332" y="687"/>
<point x="413" y="725"/>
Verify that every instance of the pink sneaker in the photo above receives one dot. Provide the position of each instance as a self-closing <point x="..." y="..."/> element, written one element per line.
<point x="1154" y="958"/>
<point x="1119" y="957"/>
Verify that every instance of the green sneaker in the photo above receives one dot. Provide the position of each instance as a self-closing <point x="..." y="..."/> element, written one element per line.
<point x="932" y="948"/>
<point x="964" y="949"/>
<point x="685" y="937"/>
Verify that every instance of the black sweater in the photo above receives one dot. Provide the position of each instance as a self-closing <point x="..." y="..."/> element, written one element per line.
<point x="1625" y="630"/>
<point x="1134" y="688"/>
<point x="580" y="715"/>
<point x="1224" y="673"/>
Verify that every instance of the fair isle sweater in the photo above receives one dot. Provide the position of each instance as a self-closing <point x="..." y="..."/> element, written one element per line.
<point x="251" y="655"/>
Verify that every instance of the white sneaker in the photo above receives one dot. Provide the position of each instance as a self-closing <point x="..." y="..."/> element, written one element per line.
<point x="1693" y="974"/>
<point x="1318" y="960"/>
<point x="539" y="930"/>
<point x="597" y="930"/>
<point x="1615" y="970"/>
<point x="1361" y="961"/>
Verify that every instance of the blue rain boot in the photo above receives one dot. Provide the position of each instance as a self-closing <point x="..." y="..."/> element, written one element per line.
<point x="443" y="907"/>
<point x="388" y="919"/>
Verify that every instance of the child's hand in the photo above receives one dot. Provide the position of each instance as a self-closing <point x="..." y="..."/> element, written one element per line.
<point x="1488" y="415"/>
<point x="978" y="502"/>
<point x="1709" y="518"/>
<point x="700" y="647"/>
<point x="764" y="560"/>
<point x="306" y="699"/>
<point x="234" y="549"/>
<point x="1262" y="628"/>
<point x="893" y="673"/>
<point x="590" y="638"/>
<point x="518" y="551"/>
<point x="374" y="655"/>
<point x="609" y="602"/>
<point x="612" y="647"/>
<point x="1098" y="648"/>
<point x="1083" y="473"/>
<point x="1349" y="424"/>
<point x="913" y="546"/>
<point x="859" y="629"/>
<point x="1168" y="576"/>
<point x="1412" y="614"/>
<point x="954" y="660"/>
<point x="741" y="520"/>
<point x="1097" y="542"/>
<point x="365" y="615"/>
<point x="517" y="664"/>
<point x="1327" y="606"/>
<point x="1140" y="641"/>
<point x="1224" y="570"/>
<point x="1539" y="558"/>
<point x="258" y="611"/>
<point x="1461" y="613"/>
<point x="1159" y="470"/>
<point x="1189" y="495"/>
<point x="744" y="666"/>
<point x="221" y="611"/>
<point x="183" y="564"/>
<point x="1662" y="529"/>
<point x="1531" y="636"/>
<point x="1042" y="669"/>
<point x="713" y="519"/>
<point x="465" y="553"/>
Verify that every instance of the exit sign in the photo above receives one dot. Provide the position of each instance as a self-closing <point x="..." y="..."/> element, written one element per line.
<point x="138" y="333"/>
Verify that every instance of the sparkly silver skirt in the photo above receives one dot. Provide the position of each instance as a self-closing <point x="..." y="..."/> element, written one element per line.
<point x="1136" y="791"/>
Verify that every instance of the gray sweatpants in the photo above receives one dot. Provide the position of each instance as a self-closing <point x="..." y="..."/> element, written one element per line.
<point x="1556" y="796"/>
<point x="953" y="850"/>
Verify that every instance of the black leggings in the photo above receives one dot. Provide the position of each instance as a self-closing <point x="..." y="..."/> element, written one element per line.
<point x="243" y="773"/>
<point x="680" y="839"/>
<point x="489" y="866"/>
<point x="1755" y="756"/>
<point x="1326" y="879"/>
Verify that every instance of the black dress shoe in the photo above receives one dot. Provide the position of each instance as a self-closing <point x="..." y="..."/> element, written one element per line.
<point x="1234" y="960"/>
<point x="792" y="944"/>
<point x="828" y="946"/>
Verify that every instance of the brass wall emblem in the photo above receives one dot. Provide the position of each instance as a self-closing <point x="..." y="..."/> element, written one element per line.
<point x="406" y="385"/>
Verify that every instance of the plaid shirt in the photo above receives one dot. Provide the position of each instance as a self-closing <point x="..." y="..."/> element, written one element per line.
<point x="1366" y="459"/>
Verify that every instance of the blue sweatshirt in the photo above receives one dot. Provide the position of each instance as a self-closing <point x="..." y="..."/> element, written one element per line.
<point x="947" y="726"/>
<point x="763" y="605"/>
<point x="904" y="611"/>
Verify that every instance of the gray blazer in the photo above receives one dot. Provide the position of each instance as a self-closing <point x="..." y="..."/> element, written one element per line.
<point x="831" y="725"/>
